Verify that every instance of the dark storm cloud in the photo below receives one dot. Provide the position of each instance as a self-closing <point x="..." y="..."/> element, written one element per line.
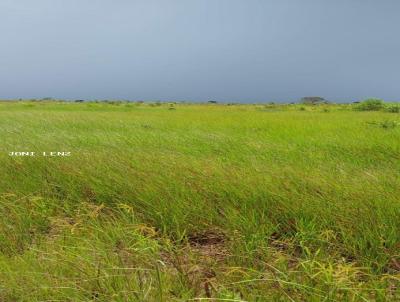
<point x="228" y="50"/>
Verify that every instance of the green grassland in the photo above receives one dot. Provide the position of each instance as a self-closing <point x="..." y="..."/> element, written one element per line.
<point x="186" y="202"/>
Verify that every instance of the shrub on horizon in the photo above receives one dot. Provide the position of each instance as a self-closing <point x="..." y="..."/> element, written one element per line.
<point x="371" y="105"/>
<point x="313" y="100"/>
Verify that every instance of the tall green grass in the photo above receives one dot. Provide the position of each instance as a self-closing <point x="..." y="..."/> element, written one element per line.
<point x="231" y="203"/>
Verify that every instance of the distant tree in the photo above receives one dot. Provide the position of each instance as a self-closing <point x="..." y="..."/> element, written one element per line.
<point x="212" y="102"/>
<point x="371" y="105"/>
<point x="313" y="100"/>
<point x="79" y="101"/>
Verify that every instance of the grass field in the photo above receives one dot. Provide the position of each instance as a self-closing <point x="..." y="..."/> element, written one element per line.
<point x="185" y="202"/>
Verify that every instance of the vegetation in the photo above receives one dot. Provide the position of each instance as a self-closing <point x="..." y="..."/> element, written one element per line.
<point x="203" y="202"/>
<point x="393" y="108"/>
<point x="370" y="105"/>
<point x="313" y="100"/>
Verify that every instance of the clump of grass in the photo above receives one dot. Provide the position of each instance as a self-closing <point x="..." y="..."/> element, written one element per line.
<point x="393" y="108"/>
<point x="386" y="124"/>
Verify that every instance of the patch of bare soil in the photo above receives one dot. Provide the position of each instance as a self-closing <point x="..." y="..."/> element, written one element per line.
<point x="196" y="262"/>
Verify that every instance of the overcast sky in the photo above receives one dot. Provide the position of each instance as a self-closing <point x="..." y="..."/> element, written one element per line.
<point x="225" y="50"/>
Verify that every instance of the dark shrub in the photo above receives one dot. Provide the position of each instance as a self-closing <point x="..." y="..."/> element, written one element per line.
<point x="370" y="105"/>
<point x="313" y="100"/>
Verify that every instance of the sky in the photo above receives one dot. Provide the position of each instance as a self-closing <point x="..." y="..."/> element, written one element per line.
<point x="200" y="50"/>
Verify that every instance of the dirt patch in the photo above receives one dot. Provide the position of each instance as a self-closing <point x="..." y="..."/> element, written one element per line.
<point x="197" y="261"/>
<point x="209" y="245"/>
